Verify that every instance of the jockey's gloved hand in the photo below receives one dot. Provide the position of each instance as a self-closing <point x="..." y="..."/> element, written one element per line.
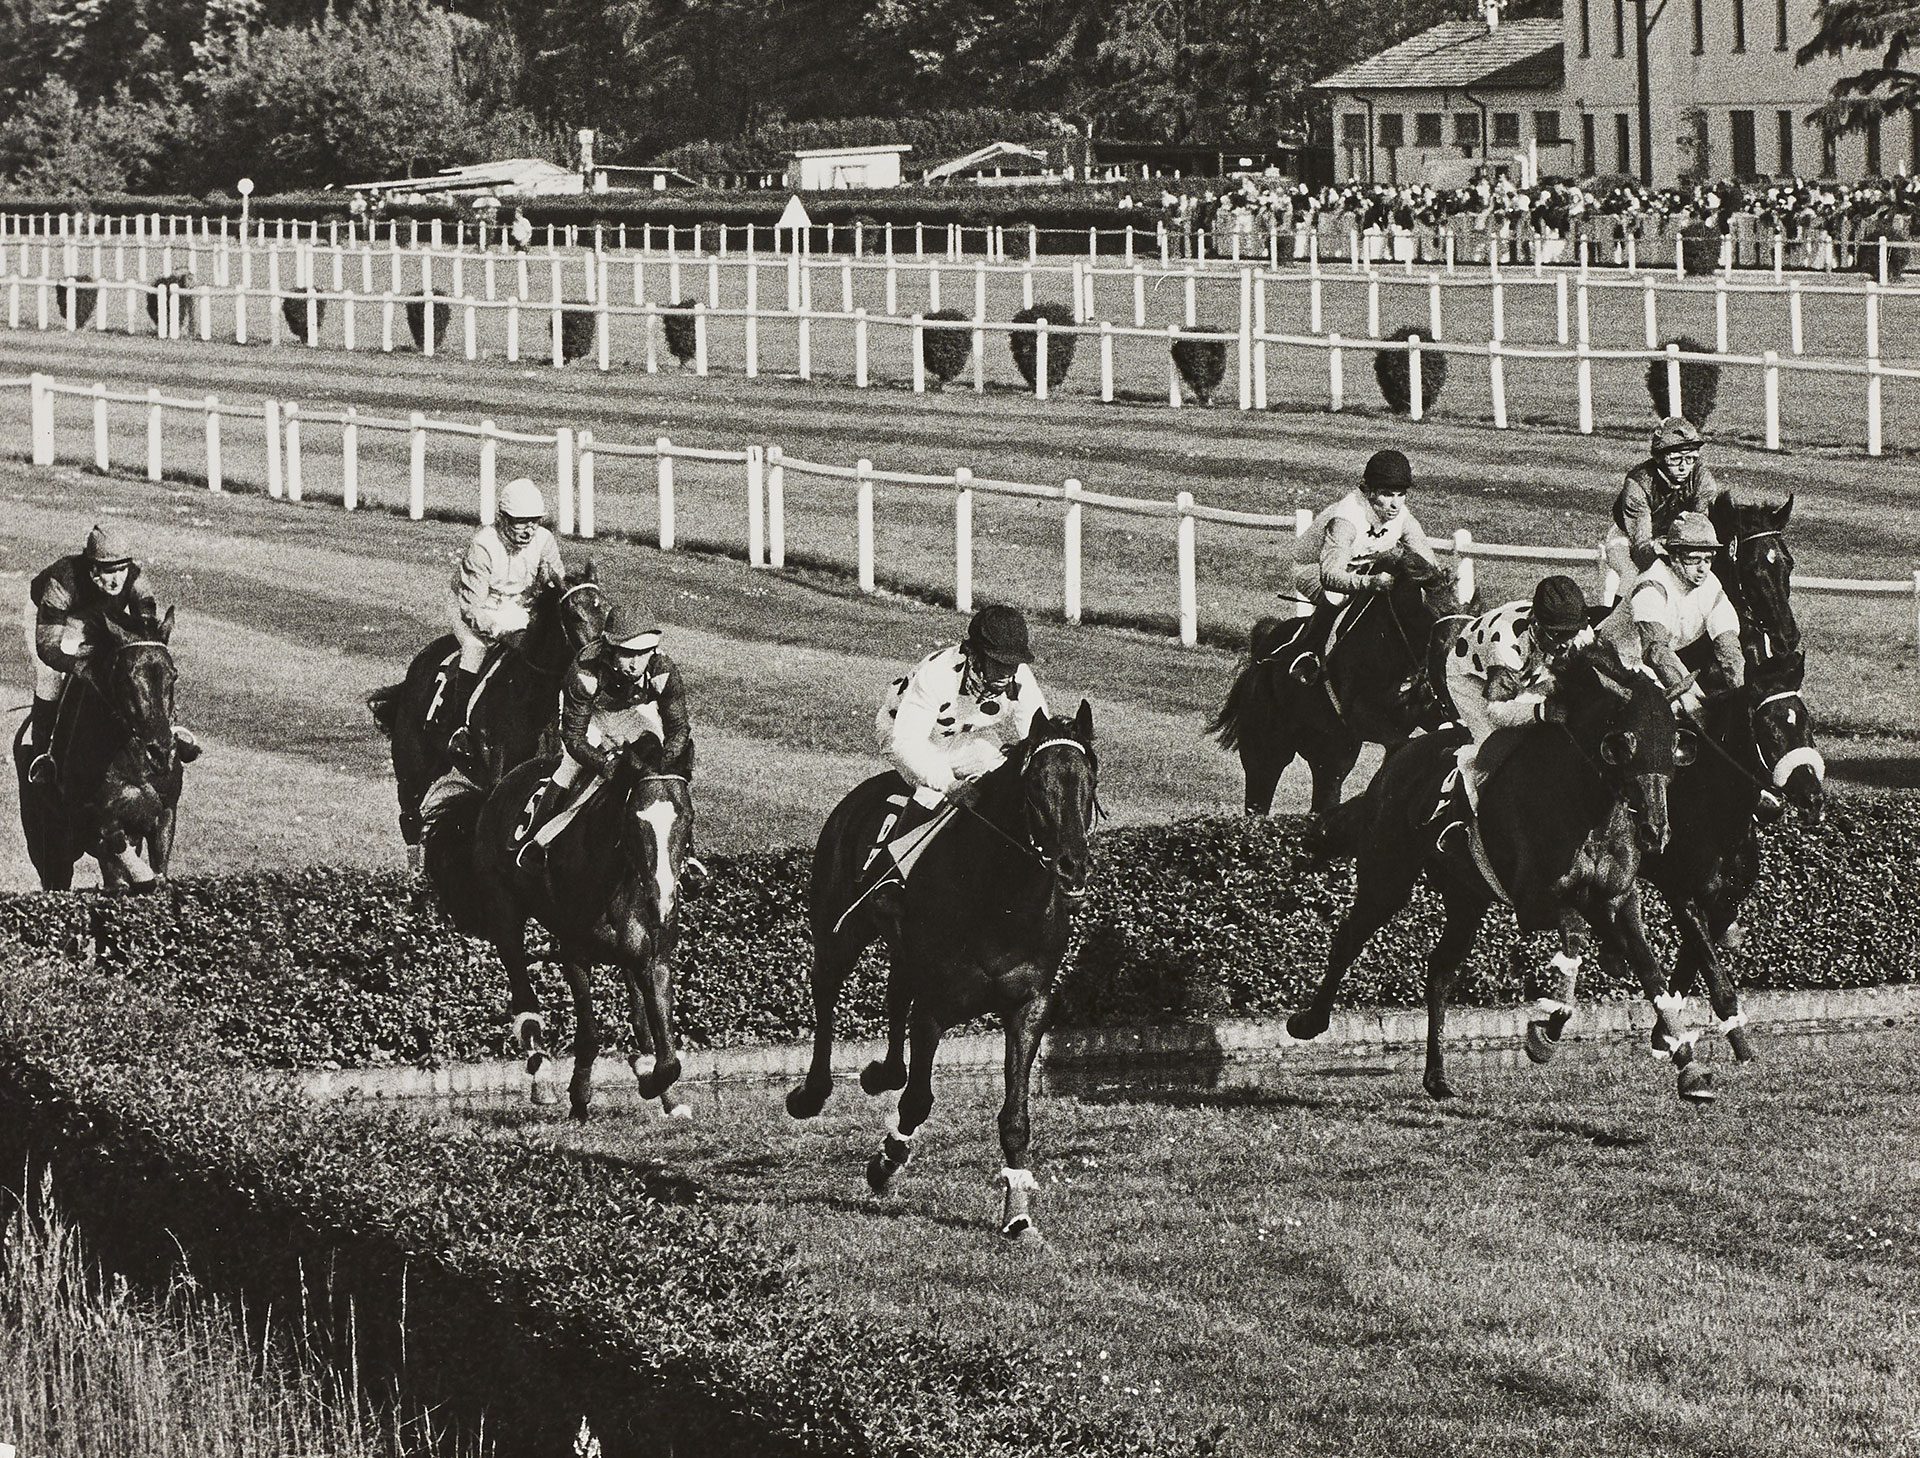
<point x="965" y="793"/>
<point x="1380" y="581"/>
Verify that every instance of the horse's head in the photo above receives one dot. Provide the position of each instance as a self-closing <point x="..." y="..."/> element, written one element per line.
<point x="1623" y="722"/>
<point x="1423" y="591"/>
<point x="1783" y="736"/>
<point x="656" y="830"/>
<point x="1058" y="774"/>
<point x="137" y="682"/>
<point x="1755" y="568"/>
<point x="565" y="617"/>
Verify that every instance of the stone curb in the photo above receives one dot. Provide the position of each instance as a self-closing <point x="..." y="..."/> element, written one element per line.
<point x="1351" y="1035"/>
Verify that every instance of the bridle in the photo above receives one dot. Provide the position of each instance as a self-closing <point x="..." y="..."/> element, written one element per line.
<point x="127" y="726"/>
<point x="1030" y="847"/>
<point x="1763" y="656"/>
<point x="559" y="601"/>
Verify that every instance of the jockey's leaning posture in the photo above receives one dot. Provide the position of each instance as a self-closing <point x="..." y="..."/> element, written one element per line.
<point x="948" y="721"/>
<point x="1504" y="665"/>
<point x="1338" y="556"/>
<point x="1674" y="604"/>
<point x="506" y="565"/>
<point x="1671" y="480"/>
<point x="620" y="688"/>
<point x="72" y="608"/>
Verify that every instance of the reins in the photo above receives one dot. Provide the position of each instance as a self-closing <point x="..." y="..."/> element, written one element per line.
<point x="126" y="726"/>
<point x="1028" y="848"/>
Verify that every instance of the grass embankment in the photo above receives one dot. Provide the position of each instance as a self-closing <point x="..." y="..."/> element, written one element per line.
<point x="1567" y="1262"/>
<point x="92" y="1364"/>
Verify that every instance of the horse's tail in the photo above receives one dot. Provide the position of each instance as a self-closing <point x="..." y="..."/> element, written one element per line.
<point x="1249" y="695"/>
<point x="384" y="704"/>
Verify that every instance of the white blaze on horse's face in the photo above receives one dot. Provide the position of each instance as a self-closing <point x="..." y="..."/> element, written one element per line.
<point x="659" y="818"/>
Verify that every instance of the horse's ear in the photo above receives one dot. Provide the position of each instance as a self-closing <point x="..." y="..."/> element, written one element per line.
<point x="1782" y="512"/>
<point x="588" y="573"/>
<point x="165" y="627"/>
<point x="1083" y="722"/>
<point x="1720" y="512"/>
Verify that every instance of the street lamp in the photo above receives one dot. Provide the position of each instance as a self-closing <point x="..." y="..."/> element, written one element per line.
<point x="245" y="188"/>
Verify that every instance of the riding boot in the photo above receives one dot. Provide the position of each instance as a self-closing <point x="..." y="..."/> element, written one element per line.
<point x="186" y="744"/>
<point x="40" y="741"/>
<point x="1306" y="662"/>
<point x="451" y="708"/>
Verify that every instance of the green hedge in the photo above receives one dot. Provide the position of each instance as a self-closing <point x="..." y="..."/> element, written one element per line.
<point x="1204" y="918"/>
<point x="493" y="1275"/>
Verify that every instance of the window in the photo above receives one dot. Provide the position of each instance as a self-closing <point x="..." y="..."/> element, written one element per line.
<point x="1739" y="25"/>
<point x="1353" y="129"/>
<point x="1586" y="27"/>
<point x="1619" y="27"/>
<point x="1829" y="152"/>
<point x="1546" y="126"/>
<point x="1589" y="154"/>
<point x="1779" y="25"/>
<point x="1393" y="131"/>
<point x="1785" y="121"/>
<point x="1428" y="128"/>
<point x="1699" y="27"/>
<point x="1466" y="129"/>
<point x="1623" y="143"/>
<point x="1746" y="162"/>
<point x="1873" y="147"/>
<point x="1506" y="128"/>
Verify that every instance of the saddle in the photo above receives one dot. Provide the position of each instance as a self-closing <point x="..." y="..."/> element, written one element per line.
<point x="496" y="655"/>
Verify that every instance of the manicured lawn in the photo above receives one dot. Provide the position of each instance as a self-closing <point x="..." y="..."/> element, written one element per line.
<point x="1567" y="1261"/>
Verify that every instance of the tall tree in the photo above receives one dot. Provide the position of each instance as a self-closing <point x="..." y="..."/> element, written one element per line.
<point x="1889" y="27"/>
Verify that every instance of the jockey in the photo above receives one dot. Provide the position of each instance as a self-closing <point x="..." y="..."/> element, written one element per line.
<point x="620" y="688"/>
<point x="506" y="565"/>
<point x="951" y="719"/>
<point x="1345" y="542"/>
<point x="1504" y="665"/>
<point x="1675" y="603"/>
<point x="73" y="609"/>
<point x="1672" y="480"/>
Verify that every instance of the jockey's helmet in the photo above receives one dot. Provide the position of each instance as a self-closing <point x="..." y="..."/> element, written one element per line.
<point x="520" y="512"/>
<point x="1388" y="474"/>
<point x="1675" y="433"/>
<point x="1691" y="544"/>
<point x="106" y="547"/>
<point x="631" y="640"/>
<point x="999" y="634"/>
<point x="1559" y="613"/>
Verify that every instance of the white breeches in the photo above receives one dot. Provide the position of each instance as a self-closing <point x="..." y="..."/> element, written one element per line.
<point x="47" y="682"/>
<point x="1619" y="563"/>
<point x="611" y="729"/>
<point x="474" y="643"/>
<point x="1469" y="695"/>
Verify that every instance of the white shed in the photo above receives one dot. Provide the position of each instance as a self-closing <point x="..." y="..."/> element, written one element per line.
<point x="826" y="169"/>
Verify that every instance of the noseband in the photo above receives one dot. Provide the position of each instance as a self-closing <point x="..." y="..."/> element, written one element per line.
<point x="1781" y="770"/>
<point x="132" y="730"/>
<point x="1733" y="547"/>
<point x="1030" y="848"/>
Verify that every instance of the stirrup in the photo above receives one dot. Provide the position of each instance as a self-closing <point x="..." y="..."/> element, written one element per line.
<point x="42" y="770"/>
<point x="1307" y="670"/>
<point x="186" y="744"/>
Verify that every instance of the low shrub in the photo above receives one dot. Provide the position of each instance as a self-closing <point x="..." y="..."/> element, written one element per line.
<point x="78" y="295"/>
<point x="1204" y="917"/>
<point x="1060" y="347"/>
<point x="417" y="321"/>
<point x="1202" y="362"/>
<point x="1866" y="258"/>
<point x="679" y="329"/>
<point x="1699" y="383"/>
<point x="1394" y="374"/>
<point x="946" y="351"/>
<point x="505" y="1280"/>
<point x="293" y="309"/>
<point x="1700" y="247"/>
<point x="577" y="333"/>
<point x="189" y="303"/>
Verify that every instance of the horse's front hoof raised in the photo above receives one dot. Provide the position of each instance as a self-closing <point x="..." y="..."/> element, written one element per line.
<point x="877" y="1078"/>
<point x="881" y="1173"/>
<point x="1542" y="1042"/>
<point x="1696" y="1086"/>
<point x="1307" y="1024"/>
<point x="1437" y="1087"/>
<point x="1742" y="1047"/>
<point x="806" y="1101"/>
<point x="662" y="1078"/>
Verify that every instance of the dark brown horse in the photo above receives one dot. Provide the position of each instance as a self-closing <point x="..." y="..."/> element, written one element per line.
<point x="609" y="893"/>
<point x="1563" y="823"/>
<point x="514" y="715"/>
<point x="979" y="928"/>
<point x="119" y="775"/>
<point x="1377" y="689"/>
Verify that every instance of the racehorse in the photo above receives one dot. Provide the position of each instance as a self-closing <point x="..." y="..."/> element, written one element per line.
<point x="514" y="710"/>
<point x="1377" y="687"/>
<point x="979" y="927"/>
<point x="119" y="775"/>
<point x="609" y="893"/>
<point x="1759" y="741"/>
<point x="1561" y="828"/>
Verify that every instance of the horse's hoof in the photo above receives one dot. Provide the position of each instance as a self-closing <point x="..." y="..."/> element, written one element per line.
<point x="1659" y="1040"/>
<point x="676" y="1110"/>
<point x="804" y="1102"/>
<point x="1733" y="938"/>
<point x="1307" y="1024"/>
<point x="1022" y="1232"/>
<point x="1438" y="1089"/>
<point x="881" y="1172"/>
<point x="544" y="1093"/>
<point x="663" y="1077"/>
<point x="536" y="1060"/>
<point x="1542" y="1042"/>
<point x="875" y="1078"/>
<point x="1696" y="1086"/>
<point x="1741" y="1045"/>
<point x="580" y="1112"/>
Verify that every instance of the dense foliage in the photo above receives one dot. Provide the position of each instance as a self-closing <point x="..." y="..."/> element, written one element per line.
<point x="1699" y="383"/>
<point x="1060" y="346"/>
<point x="1202" y="362"/>
<point x="500" y="1276"/>
<point x="1203" y="918"/>
<point x="1393" y="372"/>
<point x="946" y="351"/>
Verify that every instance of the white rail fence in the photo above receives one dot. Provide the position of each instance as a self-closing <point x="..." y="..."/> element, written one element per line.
<point x="173" y="304"/>
<point x="764" y="470"/>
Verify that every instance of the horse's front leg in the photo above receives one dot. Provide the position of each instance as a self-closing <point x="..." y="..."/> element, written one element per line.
<point x="833" y="958"/>
<point x="586" y="1035"/>
<point x="915" y="1104"/>
<point x="509" y="937"/>
<point x="1024" y="1027"/>
<point x="1620" y="926"/>
<point x="160" y="841"/>
<point x="1697" y="935"/>
<point x="1555" y="1006"/>
<point x="885" y="1075"/>
<point x="1464" y="915"/>
<point x="655" y="978"/>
